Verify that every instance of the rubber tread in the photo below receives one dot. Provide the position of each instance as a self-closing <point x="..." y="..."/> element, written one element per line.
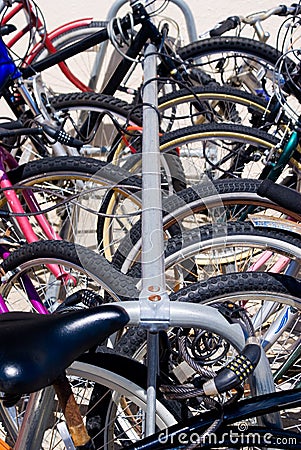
<point x="208" y="232"/>
<point x="213" y="89"/>
<point x="96" y="100"/>
<point x="221" y="285"/>
<point x="217" y="127"/>
<point x="119" y="284"/>
<point x="90" y="166"/>
<point x="180" y="243"/>
<point x="230" y="43"/>
<point x="196" y="197"/>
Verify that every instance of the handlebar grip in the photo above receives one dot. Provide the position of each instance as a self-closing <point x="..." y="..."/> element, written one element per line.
<point x="7" y="29"/>
<point x="283" y="11"/>
<point x="297" y="8"/>
<point x="281" y="195"/>
<point x="229" y="24"/>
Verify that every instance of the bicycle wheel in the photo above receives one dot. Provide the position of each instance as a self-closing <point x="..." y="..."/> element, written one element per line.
<point x="67" y="191"/>
<point x="212" y="103"/>
<point x="120" y="384"/>
<point x="97" y="120"/>
<point x="249" y="290"/>
<point x="207" y="202"/>
<point x="237" y="61"/>
<point x="79" y="65"/>
<point x="201" y="253"/>
<point x="219" y="150"/>
<point x="212" y="250"/>
<point x="216" y="150"/>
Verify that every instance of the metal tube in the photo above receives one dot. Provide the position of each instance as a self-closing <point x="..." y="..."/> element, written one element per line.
<point x="36" y="417"/>
<point x="99" y="60"/>
<point x="153" y="300"/>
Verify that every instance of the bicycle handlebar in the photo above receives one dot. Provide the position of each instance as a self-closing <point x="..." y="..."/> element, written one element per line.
<point x="281" y="195"/>
<point x="15" y="129"/>
<point x="229" y="24"/>
<point x="232" y="22"/>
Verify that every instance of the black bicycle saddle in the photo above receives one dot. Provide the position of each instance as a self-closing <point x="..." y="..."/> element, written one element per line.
<point x="36" y="349"/>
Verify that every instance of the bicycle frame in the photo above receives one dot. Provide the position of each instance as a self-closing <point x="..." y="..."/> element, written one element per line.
<point x="147" y="31"/>
<point x="181" y="314"/>
<point x="34" y="24"/>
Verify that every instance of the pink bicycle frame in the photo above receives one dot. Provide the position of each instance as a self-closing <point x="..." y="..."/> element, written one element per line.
<point x="23" y="222"/>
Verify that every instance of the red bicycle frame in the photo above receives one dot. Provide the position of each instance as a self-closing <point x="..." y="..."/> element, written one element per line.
<point x="46" y="42"/>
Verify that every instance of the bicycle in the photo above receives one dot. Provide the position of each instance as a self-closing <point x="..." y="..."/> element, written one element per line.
<point x="69" y="33"/>
<point x="106" y="370"/>
<point x="56" y="255"/>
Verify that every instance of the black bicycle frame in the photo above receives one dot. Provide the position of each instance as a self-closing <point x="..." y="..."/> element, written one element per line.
<point x="174" y="437"/>
<point x="148" y="31"/>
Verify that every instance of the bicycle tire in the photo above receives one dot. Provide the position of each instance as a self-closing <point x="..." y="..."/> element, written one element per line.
<point x="99" y="103"/>
<point x="256" y="285"/>
<point x="238" y="147"/>
<point x="201" y="104"/>
<point x="79" y="67"/>
<point x="69" y="191"/>
<point x="80" y="268"/>
<point x="207" y="247"/>
<point x="221" y="200"/>
<point x="216" y="150"/>
<point x="235" y="46"/>
<point x="231" y="161"/>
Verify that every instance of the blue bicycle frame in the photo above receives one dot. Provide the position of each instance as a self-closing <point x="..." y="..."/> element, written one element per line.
<point x="8" y="69"/>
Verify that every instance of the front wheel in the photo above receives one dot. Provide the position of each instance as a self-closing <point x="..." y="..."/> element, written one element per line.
<point x="111" y="393"/>
<point x="76" y="71"/>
